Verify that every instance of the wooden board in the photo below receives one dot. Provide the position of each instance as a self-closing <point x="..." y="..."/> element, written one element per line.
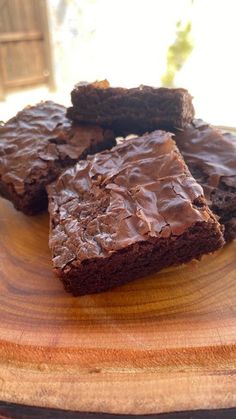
<point x="164" y="343"/>
<point x="25" y="53"/>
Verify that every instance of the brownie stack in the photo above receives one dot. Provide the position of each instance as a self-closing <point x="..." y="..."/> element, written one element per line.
<point x="160" y="199"/>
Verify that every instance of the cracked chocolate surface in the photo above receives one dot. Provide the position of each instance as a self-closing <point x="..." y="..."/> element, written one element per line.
<point x="138" y="191"/>
<point x="211" y="157"/>
<point x="36" y="145"/>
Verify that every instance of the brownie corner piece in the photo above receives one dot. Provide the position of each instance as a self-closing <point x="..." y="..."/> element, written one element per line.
<point x="127" y="212"/>
<point x="36" y="145"/>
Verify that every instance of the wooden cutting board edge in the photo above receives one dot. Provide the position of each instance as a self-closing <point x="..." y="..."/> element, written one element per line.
<point x="16" y="411"/>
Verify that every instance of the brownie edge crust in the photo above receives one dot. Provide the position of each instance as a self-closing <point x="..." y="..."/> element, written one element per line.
<point x="131" y="111"/>
<point x="125" y="213"/>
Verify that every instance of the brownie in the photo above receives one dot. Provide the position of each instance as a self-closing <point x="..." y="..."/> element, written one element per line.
<point x="36" y="145"/>
<point x="211" y="157"/>
<point x="131" y="111"/>
<point x="127" y="212"/>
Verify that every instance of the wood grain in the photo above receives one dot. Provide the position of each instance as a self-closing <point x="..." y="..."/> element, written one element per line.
<point x="25" y="48"/>
<point x="164" y="343"/>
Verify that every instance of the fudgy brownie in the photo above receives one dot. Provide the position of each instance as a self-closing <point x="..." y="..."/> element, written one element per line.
<point x="36" y="145"/>
<point x="211" y="157"/>
<point x="127" y="212"/>
<point x="131" y="111"/>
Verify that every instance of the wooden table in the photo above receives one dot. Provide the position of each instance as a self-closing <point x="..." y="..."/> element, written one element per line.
<point x="165" y="343"/>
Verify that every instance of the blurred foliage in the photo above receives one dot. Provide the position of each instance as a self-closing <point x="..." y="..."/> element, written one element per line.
<point x="178" y="53"/>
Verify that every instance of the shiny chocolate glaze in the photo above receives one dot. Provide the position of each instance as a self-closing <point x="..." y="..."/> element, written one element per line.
<point x="211" y="157"/>
<point x="210" y="153"/>
<point x="39" y="142"/>
<point x="139" y="190"/>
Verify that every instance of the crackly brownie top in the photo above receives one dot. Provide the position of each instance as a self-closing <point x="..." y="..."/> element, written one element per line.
<point x="138" y="190"/>
<point x="210" y="155"/>
<point x="40" y="140"/>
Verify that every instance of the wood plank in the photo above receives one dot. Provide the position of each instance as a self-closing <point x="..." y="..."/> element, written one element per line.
<point x="5" y="17"/>
<point x="28" y="64"/>
<point x="47" y="43"/>
<point x="27" y="10"/>
<point x="20" y="36"/>
<point x="25" y="43"/>
<point x="14" y="15"/>
<point x="2" y="91"/>
<point x="11" y="67"/>
<point x="27" y="81"/>
<point x="2" y="88"/>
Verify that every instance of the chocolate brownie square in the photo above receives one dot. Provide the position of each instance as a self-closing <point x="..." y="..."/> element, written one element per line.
<point x="36" y="146"/>
<point x="127" y="212"/>
<point x="131" y="111"/>
<point x="211" y="158"/>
